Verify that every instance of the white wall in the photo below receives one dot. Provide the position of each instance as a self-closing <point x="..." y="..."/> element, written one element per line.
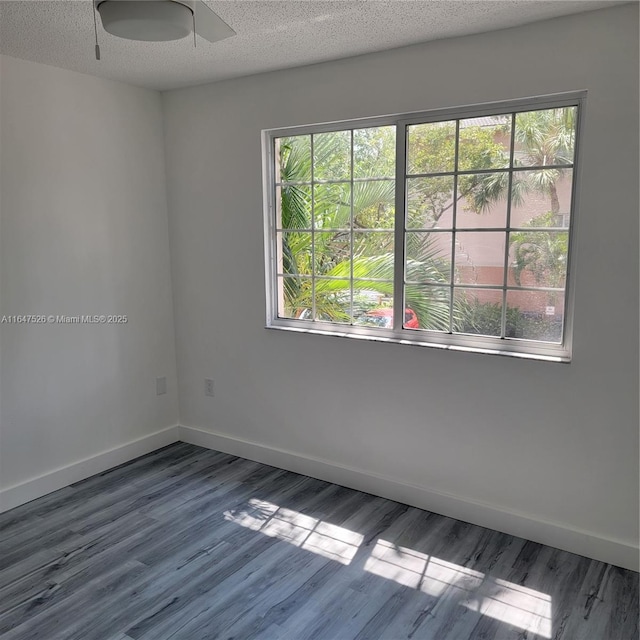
<point x="554" y="443"/>
<point x="84" y="231"/>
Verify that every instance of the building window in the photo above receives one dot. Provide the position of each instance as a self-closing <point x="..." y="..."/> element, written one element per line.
<point x="450" y="228"/>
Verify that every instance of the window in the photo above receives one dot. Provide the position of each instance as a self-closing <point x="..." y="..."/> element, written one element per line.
<point x="449" y="228"/>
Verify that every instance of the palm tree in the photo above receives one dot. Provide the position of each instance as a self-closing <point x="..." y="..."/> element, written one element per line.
<point x="545" y="139"/>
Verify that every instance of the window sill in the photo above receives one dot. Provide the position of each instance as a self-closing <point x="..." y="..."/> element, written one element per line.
<point x="560" y="358"/>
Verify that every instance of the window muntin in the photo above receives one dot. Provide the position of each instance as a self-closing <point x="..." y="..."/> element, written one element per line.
<point x="466" y="218"/>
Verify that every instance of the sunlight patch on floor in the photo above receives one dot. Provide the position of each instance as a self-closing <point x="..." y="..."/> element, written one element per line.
<point x="513" y="604"/>
<point x="502" y="600"/>
<point x="312" y="534"/>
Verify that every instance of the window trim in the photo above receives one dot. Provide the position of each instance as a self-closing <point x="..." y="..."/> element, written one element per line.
<point x="516" y="347"/>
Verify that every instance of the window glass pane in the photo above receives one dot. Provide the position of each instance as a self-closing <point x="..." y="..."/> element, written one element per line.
<point x="293" y="207"/>
<point x="431" y="147"/>
<point x="479" y="257"/>
<point x="332" y="155"/>
<point x="429" y="306"/>
<point x="374" y="152"/>
<point x="538" y="258"/>
<point x="482" y="200"/>
<point x="478" y="311"/>
<point x="294" y="253"/>
<point x="294" y="297"/>
<point x="333" y="253"/>
<point x="484" y="143"/>
<point x="333" y="300"/>
<point x="294" y="159"/>
<point x="374" y="204"/>
<point x="373" y="307"/>
<point x="373" y="254"/>
<point x="428" y="257"/>
<point x="430" y="203"/>
<point x="535" y="315"/>
<point x="541" y="198"/>
<point x="545" y="137"/>
<point x="332" y="206"/>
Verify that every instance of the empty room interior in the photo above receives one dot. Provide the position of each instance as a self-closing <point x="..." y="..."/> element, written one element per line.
<point x="319" y="320"/>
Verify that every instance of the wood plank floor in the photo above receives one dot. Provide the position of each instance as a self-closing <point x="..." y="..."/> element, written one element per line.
<point x="191" y="544"/>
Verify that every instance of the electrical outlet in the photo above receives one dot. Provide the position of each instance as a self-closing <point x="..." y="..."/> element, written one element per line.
<point x="161" y="386"/>
<point x="208" y="387"/>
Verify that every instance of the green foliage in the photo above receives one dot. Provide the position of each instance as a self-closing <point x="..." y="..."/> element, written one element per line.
<point x="485" y="318"/>
<point x="543" y="254"/>
<point x="374" y="204"/>
<point x="546" y="137"/>
<point x="332" y="155"/>
<point x="374" y="152"/>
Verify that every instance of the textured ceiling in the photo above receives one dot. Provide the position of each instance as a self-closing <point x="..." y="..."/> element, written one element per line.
<point x="271" y="34"/>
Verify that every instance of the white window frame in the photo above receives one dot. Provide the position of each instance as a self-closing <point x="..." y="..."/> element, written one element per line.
<point x="517" y="347"/>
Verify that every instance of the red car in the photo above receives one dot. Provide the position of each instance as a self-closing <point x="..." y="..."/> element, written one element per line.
<point x="384" y="318"/>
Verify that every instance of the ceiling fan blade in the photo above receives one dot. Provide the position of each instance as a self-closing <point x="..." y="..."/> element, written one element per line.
<point x="209" y="25"/>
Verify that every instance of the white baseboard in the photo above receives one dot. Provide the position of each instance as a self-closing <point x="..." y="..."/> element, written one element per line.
<point x="616" y="552"/>
<point x="59" y="478"/>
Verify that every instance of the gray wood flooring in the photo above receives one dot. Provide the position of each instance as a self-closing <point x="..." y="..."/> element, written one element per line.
<point x="191" y="544"/>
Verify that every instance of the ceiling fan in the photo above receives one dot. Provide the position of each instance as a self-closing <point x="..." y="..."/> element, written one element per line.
<point x="160" y="20"/>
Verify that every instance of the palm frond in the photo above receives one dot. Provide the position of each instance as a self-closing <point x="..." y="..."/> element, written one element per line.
<point x="373" y="194"/>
